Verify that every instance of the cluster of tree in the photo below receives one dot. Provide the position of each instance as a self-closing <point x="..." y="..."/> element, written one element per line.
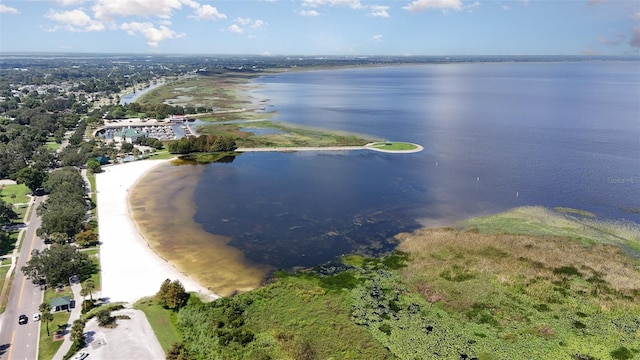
<point x="172" y="295"/>
<point x="22" y="146"/>
<point x="7" y="214"/>
<point x="156" y="111"/>
<point x="202" y="144"/>
<point x="64" y="211"/>
<point x="78" y="134"/>
<point x="57" y="264"/>
<point x="147" y="141"/>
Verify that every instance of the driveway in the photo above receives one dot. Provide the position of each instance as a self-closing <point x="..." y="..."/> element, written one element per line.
<point x="131" y="339"/>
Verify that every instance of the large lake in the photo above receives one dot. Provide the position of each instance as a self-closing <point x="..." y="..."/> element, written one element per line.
<point x="496" y="136"/>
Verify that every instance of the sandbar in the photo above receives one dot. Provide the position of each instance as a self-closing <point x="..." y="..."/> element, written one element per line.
<point x="130" y="268"/>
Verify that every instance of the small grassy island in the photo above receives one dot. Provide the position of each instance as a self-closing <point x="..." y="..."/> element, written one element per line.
<point x="531" y="283"/>
<point x="395" y="146"/>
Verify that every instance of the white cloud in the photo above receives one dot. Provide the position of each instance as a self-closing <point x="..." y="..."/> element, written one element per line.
<point x="377" y="38"/>
<point x="153" y="35"/>
<point x="235" y="28"/>
<point x="207" y="12"/>
<point x="475" y="5"/>
<point x="74" y="20"/>
<point x="505" y="7"/>
<point x="354" y="4"/>
<point x="243" y="21"/>
<point x="70" y="2"/>
<point x="108" y="9"/>
<point x="4" y="9"/>
<point x="190" y="3"/>
<point x="258" y="24"/>
<point x="379" y="11"/>
<point x="308" y="13"/>
<point x="423" y="5"/>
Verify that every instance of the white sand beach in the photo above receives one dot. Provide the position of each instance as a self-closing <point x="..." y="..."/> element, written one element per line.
<point x="130" y="268"/>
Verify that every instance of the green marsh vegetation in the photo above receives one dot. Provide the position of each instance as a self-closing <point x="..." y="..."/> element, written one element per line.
<point x="217" y="92"/>
<point x="284" y="135"/>
<point x="222" y="97"/>
<point x="499" y="287"/>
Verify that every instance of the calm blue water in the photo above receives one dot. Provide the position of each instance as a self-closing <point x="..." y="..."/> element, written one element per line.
<point x="496" y="136"/>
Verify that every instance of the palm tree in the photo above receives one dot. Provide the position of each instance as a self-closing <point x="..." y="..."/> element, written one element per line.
<point x="46" y="315"/>
<point x="77" y="332"/>
<point x="88" y="286"/>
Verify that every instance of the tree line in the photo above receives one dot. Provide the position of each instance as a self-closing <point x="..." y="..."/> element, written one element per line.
<point x="64" y="212"/>
<point x="202" y="144"/>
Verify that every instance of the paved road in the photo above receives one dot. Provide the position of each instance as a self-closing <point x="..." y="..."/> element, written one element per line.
<point x="20" y="342"/>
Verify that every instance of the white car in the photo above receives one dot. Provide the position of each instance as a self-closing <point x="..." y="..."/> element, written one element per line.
<point x="36" y="316"/>
<point x="80" y="356"/>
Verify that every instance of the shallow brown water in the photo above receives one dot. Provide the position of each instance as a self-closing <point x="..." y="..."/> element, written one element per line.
<point x="162" y="207"/>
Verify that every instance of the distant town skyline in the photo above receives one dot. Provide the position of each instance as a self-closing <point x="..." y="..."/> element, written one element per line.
<point x="322" y="27"/>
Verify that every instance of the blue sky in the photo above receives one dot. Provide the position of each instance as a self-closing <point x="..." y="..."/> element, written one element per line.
<point x="323" y="27"/>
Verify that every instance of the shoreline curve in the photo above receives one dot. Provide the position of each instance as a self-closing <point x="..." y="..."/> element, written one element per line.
<point x="369" y="146"/>
<point x="130" y="268"/>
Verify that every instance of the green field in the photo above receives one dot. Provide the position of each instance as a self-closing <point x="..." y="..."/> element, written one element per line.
<point x="15" y="193"/>
<point x="52" y="145"/>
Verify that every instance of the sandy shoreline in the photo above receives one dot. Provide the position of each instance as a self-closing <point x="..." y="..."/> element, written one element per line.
<point x="130" y="268"/>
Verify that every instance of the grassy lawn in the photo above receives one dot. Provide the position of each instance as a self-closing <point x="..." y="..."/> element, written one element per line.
<point x="161" y="155"/>
<point x="52" y="145"/>
<point x="48" y="347"/>
<point x="94" y="255"/>
<point x="15" y="194"/>
<point x="92" y="191"/>
<point x="395" y="145"/>
<point x="162" y="321"/>
<point x="20" y="211"/>
<point x="4" y="269"/>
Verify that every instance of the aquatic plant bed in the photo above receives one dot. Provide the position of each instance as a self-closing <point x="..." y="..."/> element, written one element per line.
<point x="456" y="294"/>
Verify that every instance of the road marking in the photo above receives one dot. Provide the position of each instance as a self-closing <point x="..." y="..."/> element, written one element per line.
<point x="24" y="280"/>
<point x="13" y="336"/>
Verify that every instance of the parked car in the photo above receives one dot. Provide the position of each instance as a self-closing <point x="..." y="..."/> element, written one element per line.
<point x="36" y="316"/>
<point x="80" y="356"/>
<point x="23" y="319"/>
